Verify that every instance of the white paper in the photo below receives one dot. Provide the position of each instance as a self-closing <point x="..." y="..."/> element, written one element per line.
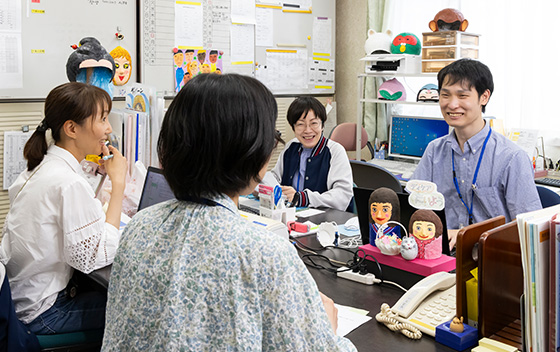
<point x="242" y="43"/>
<point x="265" y="27"/>
<point x="216" y="25"/>
<point x="349" y="319"/>
<point x="188" y="25"/>
<point x="321" y="72"/>
<point x="286" y="70"/>
<point x="10" y="15"/>
<point x="526" y="139"/>
<point x="322" y="36"/>
<point x="14" y="162"/>
<point x="308" y="212"/>
<point x="11" y="65"/>
<point x="243" y="11"/>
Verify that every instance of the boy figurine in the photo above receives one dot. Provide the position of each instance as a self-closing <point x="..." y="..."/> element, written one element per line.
<point x="480" y="173"/>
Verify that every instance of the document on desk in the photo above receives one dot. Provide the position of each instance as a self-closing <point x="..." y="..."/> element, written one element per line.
<point x="350" y="318"/>
<point x="308" y="213"/>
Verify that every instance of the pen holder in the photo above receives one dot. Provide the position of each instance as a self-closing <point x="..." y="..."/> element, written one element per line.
<point x="284" y="215"/>
<point x="389" y="244"/>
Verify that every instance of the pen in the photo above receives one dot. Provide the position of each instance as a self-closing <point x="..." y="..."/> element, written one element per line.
<point x="107" y="157"/>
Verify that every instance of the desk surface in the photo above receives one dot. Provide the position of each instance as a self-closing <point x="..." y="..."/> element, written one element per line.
<point x="371" y="336"/>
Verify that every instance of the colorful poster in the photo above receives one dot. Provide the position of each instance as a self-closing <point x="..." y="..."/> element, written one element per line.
<point x="188" y="63"/>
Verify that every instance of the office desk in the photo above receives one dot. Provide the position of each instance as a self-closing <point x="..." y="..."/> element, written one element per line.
<point x="371" y="336"/>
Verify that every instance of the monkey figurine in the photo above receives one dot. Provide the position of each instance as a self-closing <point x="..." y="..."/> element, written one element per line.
<point x="449" y="20"/>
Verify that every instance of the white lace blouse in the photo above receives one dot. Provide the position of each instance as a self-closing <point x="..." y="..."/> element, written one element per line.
<point x="54" y="225"/>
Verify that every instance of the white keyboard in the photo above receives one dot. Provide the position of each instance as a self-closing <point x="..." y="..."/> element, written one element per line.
<point x="406" y="169"/>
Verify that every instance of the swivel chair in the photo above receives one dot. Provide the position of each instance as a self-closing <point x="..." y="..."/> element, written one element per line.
<point x="548" y="197"/>
<point x="371" y="176"/>
<point x="345" y="134"/>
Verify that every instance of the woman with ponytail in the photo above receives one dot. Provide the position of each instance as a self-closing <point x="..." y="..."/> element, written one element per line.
<point x="55" y="225"/>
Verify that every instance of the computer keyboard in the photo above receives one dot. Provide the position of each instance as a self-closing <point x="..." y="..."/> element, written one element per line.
<point x="547" y="181"/>
<point x="249" y="209"/>
<point x="406" y="169"/>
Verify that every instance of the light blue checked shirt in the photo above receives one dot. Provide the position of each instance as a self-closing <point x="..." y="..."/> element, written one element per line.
<point x="505" y="183"/>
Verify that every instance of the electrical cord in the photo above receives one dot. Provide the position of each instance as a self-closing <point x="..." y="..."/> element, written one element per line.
<point x="356" y="264"/>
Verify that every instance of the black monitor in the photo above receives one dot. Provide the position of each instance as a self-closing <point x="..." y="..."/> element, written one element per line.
<point x="361" y="197"/>
<point x="409" y="135"/>
<point x="156" y="189"/>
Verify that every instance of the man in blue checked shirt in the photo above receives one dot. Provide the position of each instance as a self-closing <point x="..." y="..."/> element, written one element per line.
<point x="480" y="172"/>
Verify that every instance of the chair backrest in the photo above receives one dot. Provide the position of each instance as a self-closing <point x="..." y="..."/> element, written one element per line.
<point x="371" y="176"/>
<point x="345" y="134"/>
<point x="548" y="197"/>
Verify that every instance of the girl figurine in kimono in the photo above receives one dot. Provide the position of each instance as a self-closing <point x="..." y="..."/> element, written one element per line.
<point x="384" y="206"/>
<point x="426" y="227"/>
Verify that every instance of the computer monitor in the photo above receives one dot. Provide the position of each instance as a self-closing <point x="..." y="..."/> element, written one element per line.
<point x="156" y="189"/>
<point x="409" y="135"/>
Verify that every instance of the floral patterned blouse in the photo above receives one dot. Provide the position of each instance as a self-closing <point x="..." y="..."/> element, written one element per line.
<point x="200" y="277"/>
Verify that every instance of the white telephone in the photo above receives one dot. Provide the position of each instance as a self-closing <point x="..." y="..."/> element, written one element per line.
<point x="427" y="304"/>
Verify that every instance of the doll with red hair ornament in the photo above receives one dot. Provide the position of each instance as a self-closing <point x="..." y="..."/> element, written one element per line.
<point x="426" y="227"/>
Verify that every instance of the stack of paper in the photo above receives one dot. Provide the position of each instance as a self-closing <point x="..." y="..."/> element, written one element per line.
<point x="538" y="256"/>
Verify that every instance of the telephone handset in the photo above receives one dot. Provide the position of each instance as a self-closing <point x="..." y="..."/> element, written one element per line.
<point x="430" y="302"/>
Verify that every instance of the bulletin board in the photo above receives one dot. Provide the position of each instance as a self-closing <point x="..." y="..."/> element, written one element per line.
<point x="295" y="60"/>
<point x="37" y="44"/>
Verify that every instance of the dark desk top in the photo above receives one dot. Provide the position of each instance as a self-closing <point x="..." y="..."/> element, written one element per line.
<point x="371" y="336"/>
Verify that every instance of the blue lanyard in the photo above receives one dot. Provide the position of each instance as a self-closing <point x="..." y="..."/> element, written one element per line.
<point x="469" y="209"/>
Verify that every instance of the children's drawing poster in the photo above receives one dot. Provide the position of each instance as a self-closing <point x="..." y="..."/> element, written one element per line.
<point x="188" y="63"/>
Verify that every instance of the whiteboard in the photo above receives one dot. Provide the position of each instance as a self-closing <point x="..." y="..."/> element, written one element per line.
<point x="292" y="44"/>
<point x="50" y="27"/>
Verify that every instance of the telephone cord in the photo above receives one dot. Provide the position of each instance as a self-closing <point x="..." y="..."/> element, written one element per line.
<point x="386" y="317"/>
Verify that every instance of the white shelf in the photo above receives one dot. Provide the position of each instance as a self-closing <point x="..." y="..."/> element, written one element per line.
<point x="397" y="74"/>
<point x="380" y="101"/>
<point x="362" y="99"/>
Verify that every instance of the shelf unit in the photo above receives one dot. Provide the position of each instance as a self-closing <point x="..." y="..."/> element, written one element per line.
<point x="362" y="99"/>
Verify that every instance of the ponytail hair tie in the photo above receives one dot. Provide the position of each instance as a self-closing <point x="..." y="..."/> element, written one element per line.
<point x="43" y="127"/>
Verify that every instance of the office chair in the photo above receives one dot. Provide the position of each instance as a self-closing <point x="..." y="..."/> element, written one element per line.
<point x="345" y="134"/>
<point x="548" y="197"/>
<point x="15" y="334"/>
<point x="371" y="176"/>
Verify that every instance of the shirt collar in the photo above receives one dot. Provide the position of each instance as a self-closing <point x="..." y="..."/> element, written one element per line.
<point x="64" y="155"/>
<point x="476" y="141"/>
<point x="224" y="201"/>
<point x="318" y="148"/>
<point x="473" y="144"/>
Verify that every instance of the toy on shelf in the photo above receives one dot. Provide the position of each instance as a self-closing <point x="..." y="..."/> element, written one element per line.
<point x="428" y="92"/>
<point x="406" y="43"/>
<point x="449" y="20"/>
<point x="378" y="42"/>
<point x="392" y="90"/>
<point x="426" y="227"/>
